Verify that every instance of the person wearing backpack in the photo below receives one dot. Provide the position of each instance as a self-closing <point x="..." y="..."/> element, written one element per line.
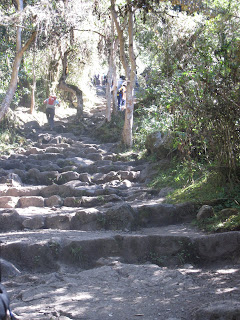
<point x="122" y="96"/>
<point x="119" y="97"/>
<point x="51" y="102"/>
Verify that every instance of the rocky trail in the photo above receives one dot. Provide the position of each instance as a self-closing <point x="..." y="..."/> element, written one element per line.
<point x="83" y="237"/>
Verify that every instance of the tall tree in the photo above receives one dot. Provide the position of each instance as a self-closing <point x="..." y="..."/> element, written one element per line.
<point x="63" y="85"/>
<point x="129" y="65"/>
<point x="111" y="89"/>
<point x="16" y="64"/>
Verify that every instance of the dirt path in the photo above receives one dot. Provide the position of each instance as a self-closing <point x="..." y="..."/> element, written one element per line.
<point x="83" y="237"/>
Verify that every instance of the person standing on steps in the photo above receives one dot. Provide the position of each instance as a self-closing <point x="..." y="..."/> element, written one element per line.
<point x="51" y="102"/>
<point x="122" y="96"/>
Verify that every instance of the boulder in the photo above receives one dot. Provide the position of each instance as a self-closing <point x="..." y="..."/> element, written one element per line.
<point x="87" y="220"/>
<point x="53" y="201"/>
<point x="44" y="138"/>
<point x="120" y="217"/>
<point x="8" y="270"/>
<point x="8" y="202"/>
<point x="88" y="202"/>
<point x="12" y="164"/>
<point x="205" y="212"/>
<point x="85" y="177"/>
<point x="59" y="221"/>
<point x="95" y="156"/>
<point x="72" y="202"/>
<point x="112" y="175"/>
<point x="228" y="212"/>
<point x="98" y="177"/>
<point x="46" y="177"/>
<point x="159" y="144"/>
<point x="33" y="175"/>
<point x="10" y="220"/>
<point x="12" y="180"/>
<point x="21" y="191"/>
<point x="90" y="149"/>
<point x="149" y="172"/>
<point x="34" y="150"/>
<point x="67" y="176"/>
<point x="157" y="215"/>
<point x="34" y="223"/>
<point x="129" y="175"/>
<point x="79" y="162"/>
<point x="32" y="125"/>
<point x="54" y="149"/>
<point x="126" y="184"/>
<point x="62" y="191"/>
<point x="25" y="202"/>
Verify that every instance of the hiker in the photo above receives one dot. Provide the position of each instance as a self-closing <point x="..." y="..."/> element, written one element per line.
<point x="121" y="95"/>
<point x="5" y="312"/>
<point x="51" y="102"/>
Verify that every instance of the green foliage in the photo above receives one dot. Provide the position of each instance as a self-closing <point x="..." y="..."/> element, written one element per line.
<point x="111" y="131"/>
<point x="10" y="137"/>
<point x="218" y="223"/>
<point x="194" y="182"/>
<point x="76" y="252"/>
<point x="154" y="258"/>
<point x="188" y="252"/>
<point x="192" y="85"/>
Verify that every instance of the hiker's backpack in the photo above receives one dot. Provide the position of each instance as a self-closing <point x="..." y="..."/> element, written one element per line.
<point x="51" y="100"/>
<point x="120" y="91"/>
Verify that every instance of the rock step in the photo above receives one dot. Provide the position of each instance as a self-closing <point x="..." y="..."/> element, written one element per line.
<point x="45" y="250"/>
<point x="89" y="213"/>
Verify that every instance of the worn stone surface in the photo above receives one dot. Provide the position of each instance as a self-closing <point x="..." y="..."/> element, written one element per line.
<point x="221" y="310"/>
<point x="90" y="240"/>
<point x="122" y="291"/>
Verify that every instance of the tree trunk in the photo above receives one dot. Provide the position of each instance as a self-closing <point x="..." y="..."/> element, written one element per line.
<point x="34" y="81"/>
<point x="62" y="85"/>
<point x="130" y="71"/>
<point x="16" y="64"/>
<point x="115" y="83"/>
<point x="77" y="92"/>
<point x="108" y="93"/>
<point x="109" y="76"/>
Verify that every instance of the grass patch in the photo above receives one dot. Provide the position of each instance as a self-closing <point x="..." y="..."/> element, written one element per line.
<point x="218" y="223"/>
<point x="190" y="181"/>
<point x="193" y="182"/>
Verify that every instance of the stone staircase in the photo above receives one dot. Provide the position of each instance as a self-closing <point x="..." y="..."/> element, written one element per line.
<point x="68" y="201"/>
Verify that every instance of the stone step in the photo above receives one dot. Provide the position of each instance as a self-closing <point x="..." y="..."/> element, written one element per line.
<point x="107" y="212"/>
<point x="45" y="250"/>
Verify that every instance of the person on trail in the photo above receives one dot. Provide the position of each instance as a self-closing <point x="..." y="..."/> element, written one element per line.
<point x="5" y="312"/>
<point x="121" y="95"/>
<point x="51" y="102"/>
